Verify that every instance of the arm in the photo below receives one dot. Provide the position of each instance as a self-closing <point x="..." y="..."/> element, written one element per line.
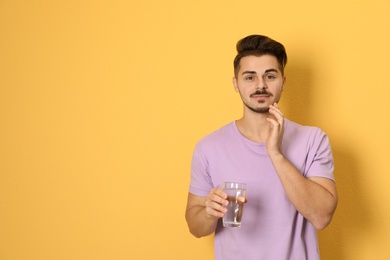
<point x="202" y="213"/>
<point x="315" y="198"/>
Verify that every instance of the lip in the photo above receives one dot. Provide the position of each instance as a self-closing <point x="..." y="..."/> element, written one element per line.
<point x="260" y="96"/>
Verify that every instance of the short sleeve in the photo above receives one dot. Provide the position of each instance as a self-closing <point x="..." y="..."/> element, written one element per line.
<point x="320" y="158"/>
<point x="201" y="183"/>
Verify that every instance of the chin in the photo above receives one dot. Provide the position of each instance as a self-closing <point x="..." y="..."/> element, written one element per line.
<point x="260" y="110"/>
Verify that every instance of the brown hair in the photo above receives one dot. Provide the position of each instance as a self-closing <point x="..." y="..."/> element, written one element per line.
<point x="259" y="45"/>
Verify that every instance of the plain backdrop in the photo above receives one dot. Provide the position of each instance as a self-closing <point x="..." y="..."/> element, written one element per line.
<point x="102" y="103"/>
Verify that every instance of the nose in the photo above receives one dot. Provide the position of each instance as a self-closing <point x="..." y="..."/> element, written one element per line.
<point x="261" y="84"/>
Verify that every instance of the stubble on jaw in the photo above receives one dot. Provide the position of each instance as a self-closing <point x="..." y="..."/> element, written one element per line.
<point x="260" y="110"/>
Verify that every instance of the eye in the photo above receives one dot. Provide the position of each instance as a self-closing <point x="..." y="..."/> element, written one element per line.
<point x="269" y="77"/>
<point x="250" y="78"/>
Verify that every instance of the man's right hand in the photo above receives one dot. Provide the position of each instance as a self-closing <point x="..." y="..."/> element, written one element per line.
<point x="202" y="213"/>
<point x="216" y="203"/>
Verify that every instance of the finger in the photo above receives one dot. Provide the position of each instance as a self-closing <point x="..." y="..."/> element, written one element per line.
<point x="218" y="192"/>
<point x="219" y="200"/>
<point x="242" y="199"/>
<point x="274" y="123"/>
<point x="277" y="114"/>
<point x="215" y="214"/>
<point x="218" y="196"/>
<point x="275" y="110"/>
<point x="215" y="209"/>
<point x="214" y="206"/>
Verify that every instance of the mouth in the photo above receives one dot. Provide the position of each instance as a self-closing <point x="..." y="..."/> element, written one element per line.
<point x="261" y="93"/>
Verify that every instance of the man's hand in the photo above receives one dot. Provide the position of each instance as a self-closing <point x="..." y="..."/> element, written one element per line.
<point x="215" y="203"/>
<point x="202" y="213"/>
<point x="275" y="136"/>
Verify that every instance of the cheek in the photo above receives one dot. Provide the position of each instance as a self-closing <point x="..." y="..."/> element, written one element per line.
<point x="278" y="95"/>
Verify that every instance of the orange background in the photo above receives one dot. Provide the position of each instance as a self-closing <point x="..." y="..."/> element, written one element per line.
<point x="102" y="102"/>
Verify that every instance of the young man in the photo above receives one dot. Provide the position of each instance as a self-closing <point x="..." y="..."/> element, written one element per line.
<point x="288" y="169"/>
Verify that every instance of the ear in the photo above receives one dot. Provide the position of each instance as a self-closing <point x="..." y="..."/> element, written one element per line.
<point x="234" y="80"/>
<point x="284" y="82"/>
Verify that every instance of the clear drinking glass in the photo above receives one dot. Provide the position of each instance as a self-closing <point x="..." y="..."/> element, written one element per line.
<point x="236" y="196"/>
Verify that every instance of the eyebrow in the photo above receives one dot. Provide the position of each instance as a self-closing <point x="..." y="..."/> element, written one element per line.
<point x="249" y="72"/>
<point x="271" y="70"/>
<point x="254" y="72"/>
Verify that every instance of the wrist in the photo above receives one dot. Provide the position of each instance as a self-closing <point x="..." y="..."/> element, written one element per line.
<point x="276" y="157"/>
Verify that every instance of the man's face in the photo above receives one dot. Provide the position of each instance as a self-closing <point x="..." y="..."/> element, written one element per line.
<point x="259" y="82"/>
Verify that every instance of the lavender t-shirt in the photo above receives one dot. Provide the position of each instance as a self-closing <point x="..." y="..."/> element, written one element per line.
<point x="271" y="226"/>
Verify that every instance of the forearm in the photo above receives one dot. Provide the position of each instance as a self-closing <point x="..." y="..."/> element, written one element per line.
<point x="199" y="223"/>
<point x="314" y="201"/>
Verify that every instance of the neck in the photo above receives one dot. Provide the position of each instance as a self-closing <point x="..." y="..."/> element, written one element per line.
<point x="254" y="126"/>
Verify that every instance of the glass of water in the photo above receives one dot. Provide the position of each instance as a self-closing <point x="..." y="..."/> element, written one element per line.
<point x="236" y="196"/>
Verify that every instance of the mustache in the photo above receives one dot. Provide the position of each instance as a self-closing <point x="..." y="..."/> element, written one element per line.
<point x="261" y="92"/>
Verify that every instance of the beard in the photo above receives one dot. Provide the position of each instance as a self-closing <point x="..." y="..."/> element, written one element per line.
<point x="260" y="110"/>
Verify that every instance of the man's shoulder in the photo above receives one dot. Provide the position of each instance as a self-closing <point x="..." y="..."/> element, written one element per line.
<point x="219" y="133"/>
<point x="294" y="126"/>
<point x="298" y="132"/>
